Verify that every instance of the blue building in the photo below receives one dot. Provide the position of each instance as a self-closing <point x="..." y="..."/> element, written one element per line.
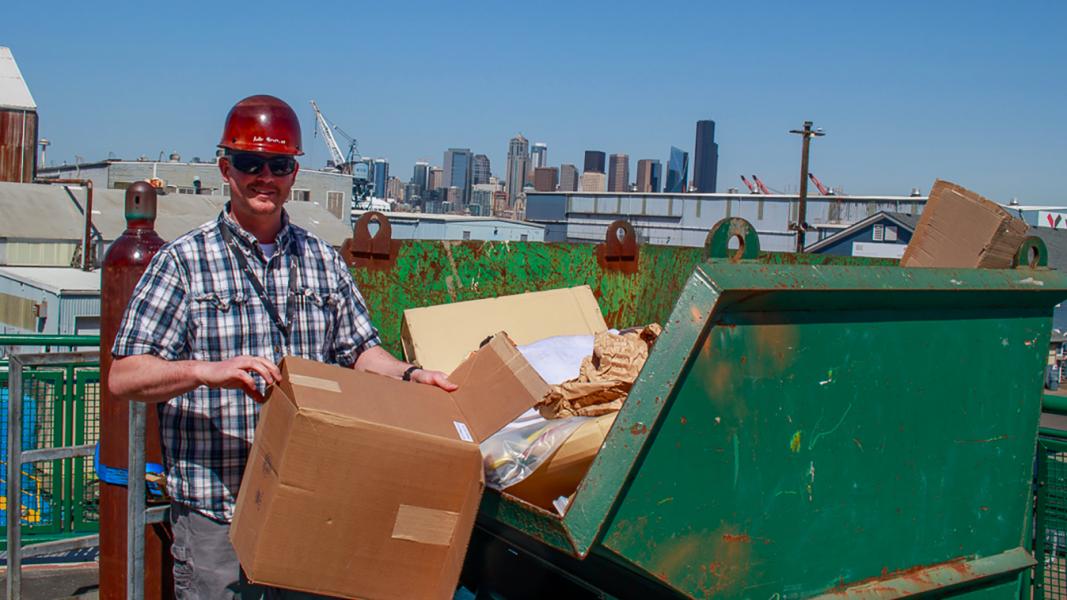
<point x="881" y="235"/>
<point x="380" y="177"/>
<point x="677" y="172"/>
<point x="457" y="172"/>
<point x="705" y="159"/>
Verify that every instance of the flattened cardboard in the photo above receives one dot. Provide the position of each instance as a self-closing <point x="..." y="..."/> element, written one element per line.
<point x="439" y="337"/>
<point x="959" y="228"/>
<point x="365" y="488"/>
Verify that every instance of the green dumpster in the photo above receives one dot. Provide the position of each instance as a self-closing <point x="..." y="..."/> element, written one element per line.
<point x="806" y="426"/>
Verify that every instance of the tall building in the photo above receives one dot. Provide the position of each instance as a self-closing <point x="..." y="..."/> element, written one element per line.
<point x="649" y="174"/>
<point x="594" y="161"/>
<point x="593" y="181"/>
<point x="568" y="178"/>
<point x="457" y="172"/>
<point x="436" y="178"/>
<point x="705" y="158"/>
<point x="420" y="181"/>
<point x="619" y="173"/>
<point x="394" y="189"/>
<point x="539" y="156"/>
<point x="480" y="172"/>
<point x="518" y="165"/>
<point x="546" y="179"/>
<point x="677" y="172"/>
<point x="380" y="177"/>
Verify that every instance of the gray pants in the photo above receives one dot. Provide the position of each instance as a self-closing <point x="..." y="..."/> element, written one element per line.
<point x="205" y="563"/>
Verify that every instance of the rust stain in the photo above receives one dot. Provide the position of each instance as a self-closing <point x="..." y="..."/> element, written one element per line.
<point x="919" y="574"/>
<point x="684" y="420"/>
<point x="983" y="508"/>
<point x="858" y="444"/>
<point x="695" y="313"/>
<point x="794" y="443"/>
<point x="742" y="538"/>
<point x="639" y="429"/>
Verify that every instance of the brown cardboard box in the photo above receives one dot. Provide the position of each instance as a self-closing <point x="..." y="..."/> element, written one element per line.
<point x="438" y="337"/>
<point x="564" y="470"/>
<point x="360" y="485"/>
<point x="959" y="228"/>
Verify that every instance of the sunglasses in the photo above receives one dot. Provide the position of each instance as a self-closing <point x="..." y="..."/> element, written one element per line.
<point x="252" y="164"/>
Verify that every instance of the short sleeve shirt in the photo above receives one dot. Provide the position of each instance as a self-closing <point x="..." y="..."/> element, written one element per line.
<point x="193" y="302"/>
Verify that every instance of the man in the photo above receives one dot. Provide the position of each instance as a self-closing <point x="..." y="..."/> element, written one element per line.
<point x="214" y="313"/>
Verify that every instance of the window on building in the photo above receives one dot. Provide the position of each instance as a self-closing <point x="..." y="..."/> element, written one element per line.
<point x="524" y="237"/>
<point x="891" y="233"/>
<point x="186" y="190"/>
<point x="335" y="202"/>
<point x="466" y="235"/>
<point x="300" y="195"/>
<point x="121" y="185"/>
<point x="878" y="234"/>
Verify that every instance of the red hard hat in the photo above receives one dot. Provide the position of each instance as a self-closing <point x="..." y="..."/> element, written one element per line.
<point x="262" y="124"/>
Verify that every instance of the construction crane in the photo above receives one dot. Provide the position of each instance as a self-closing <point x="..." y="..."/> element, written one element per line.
<point x="762" y="188"/>
<point x="349" y="164"/>
<point x="822" y="188"/>
<point x="748" y="184"/>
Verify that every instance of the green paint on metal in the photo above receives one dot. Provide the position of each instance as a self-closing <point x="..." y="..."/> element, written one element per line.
<point x="33" y="339"/>
<point x="729" y="229"/>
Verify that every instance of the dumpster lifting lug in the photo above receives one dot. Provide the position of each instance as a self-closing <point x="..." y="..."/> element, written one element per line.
<point x="1032" y="253"/>
<point x="619" y="251"/>
<point x="375" y="252"/>
<point x="731" y="228"/>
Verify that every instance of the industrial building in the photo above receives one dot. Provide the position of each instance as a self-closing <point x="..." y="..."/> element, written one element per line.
<point x="685" y="219"/>
<point x="424" y="226"/>
<point x="49" y="300"/>
<point x="331" y="191"/>
<point x="44" y="224"/>
<point x="18" y="123"/>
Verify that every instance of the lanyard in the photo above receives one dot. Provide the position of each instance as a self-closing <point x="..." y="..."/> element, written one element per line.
<point x="290" y="303"/>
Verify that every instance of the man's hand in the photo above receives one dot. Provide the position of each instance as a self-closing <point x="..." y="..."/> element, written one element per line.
<point x="433" y="378"/>
<point x="236" y="373"/>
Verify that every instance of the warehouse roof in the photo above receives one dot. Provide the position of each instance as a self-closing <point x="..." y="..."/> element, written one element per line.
<point x="416" y="216"/>
<point x="58" y="280"/>
<point x="53" y="212"/>
<point x="13" y="90"/>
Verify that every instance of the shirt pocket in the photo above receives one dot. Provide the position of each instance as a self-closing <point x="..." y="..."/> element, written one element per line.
<point x="219" y="326"/>
<point x="315" y="324"/>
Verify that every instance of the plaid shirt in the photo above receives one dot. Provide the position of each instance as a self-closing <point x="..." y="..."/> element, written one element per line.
<point x="193" y="302"/>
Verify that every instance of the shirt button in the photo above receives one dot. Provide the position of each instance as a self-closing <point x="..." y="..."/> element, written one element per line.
<point x="277" y="349"/>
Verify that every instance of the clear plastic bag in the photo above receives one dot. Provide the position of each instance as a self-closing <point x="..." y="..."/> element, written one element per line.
<point x="511" y="455"/>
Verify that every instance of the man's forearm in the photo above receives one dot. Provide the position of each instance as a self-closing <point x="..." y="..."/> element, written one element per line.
<point x="378" y="360"/>
<point x="147" y="378"/>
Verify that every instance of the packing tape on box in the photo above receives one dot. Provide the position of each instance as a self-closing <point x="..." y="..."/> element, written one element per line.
<point x="425" y="525"/>
<point x="315" y="382"/>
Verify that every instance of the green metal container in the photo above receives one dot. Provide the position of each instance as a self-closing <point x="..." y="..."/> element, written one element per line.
<point x="804" y="427"/>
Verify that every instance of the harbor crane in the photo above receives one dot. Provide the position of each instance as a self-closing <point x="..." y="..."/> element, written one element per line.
<point x="762" y="188"/>
<point x="822" y="188"/>
<point x="751" y="188"/>
<point x="349" y="164"/>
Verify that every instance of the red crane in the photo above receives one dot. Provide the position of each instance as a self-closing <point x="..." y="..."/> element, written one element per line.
<point x="748" y="184"/>
<point x="822" y="188"/>
<point x="762" y="188"/>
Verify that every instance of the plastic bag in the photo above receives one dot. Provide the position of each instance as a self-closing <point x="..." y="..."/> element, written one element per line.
<point x="511" y="455"/>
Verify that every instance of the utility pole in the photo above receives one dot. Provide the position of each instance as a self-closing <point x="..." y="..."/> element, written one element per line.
<point x="802" y="209"/>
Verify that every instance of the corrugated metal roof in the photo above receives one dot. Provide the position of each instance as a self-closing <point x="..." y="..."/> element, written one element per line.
<point x="449" y="218"/>
<point x="13" y="90"/>
<point x="58" y="280"/>
<point x="49" y="212"/>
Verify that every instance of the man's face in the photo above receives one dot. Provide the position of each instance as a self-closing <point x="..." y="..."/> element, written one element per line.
<point x="261" y="193"/>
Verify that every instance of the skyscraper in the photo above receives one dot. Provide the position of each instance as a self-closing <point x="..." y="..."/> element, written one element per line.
<point x="420" y="178"/>
<point x="518" y="165"/>
<point x="480" y="172"/>
<point x="649" y="173"/>
<point x="705" y="158"/>
<point x="568" y="178"/>
<point x="380" y="177"/>
<point x="435" y="179"/>
<point x="457" y="171"/>
<point x="619" y="173"/>
<point x="546" y="179"/>
<point x="539" y="156"/>
<point x="677" y="172"/>
<point x="594" y="161"/>
<point x="593" y="181"/>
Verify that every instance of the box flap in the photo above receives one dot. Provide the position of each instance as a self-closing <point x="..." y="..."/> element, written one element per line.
<point x="439" y="337"/>
<point x="496" y="385"/>
<point x="341" y="393"/>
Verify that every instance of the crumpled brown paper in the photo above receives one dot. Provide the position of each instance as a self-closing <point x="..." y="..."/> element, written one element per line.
<point x="605" y="378"/>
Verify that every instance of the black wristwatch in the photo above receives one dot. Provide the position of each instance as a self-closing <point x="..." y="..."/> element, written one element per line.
<point x="407" y="374"/>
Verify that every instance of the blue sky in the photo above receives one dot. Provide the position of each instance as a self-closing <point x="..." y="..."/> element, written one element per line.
<point x="974" y="92"/>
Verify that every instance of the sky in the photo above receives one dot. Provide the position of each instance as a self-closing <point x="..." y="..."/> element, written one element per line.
<point x="907" y="92"/>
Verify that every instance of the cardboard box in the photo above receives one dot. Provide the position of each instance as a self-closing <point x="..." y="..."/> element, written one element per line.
<point x="564" y="470"/>
<point x="438" y="337"/>
<point x="959" y="228"/>
<point x="360" y="485"/>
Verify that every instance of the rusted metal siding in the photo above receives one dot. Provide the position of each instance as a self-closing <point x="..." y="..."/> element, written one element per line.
<point x="18" y="145"/>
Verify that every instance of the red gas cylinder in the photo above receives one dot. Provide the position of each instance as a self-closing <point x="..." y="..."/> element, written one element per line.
<point x="124" y="263"/>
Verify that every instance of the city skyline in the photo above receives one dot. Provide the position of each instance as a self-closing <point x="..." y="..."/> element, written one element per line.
<point x="897" y="115"/>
